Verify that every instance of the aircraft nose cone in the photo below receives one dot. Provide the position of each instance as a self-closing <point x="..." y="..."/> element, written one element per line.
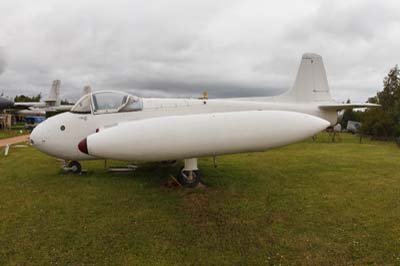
<point x="82" y="146"/>
<point x="36" y="136"/>
<point x="40" y="136"/>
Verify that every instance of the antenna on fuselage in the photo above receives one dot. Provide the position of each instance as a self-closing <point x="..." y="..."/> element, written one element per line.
<point x="204" y="96"/>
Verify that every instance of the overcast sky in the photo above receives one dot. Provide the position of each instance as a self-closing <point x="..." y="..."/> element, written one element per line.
<point x="182" y="47"/>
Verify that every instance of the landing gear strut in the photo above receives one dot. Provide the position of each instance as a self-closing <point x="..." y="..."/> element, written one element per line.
<point x="189" y="175"/>
<point x="75" y="167"/>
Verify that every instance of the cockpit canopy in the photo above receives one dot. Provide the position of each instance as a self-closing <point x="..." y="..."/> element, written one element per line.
<point x="106" y="102"/>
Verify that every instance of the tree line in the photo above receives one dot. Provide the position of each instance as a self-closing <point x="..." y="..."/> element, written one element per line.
<point x="382" y="122"/>
<point x="24" y="98"/>
<point x="36" y="98"/>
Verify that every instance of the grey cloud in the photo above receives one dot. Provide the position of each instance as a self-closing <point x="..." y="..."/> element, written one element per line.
<point x="191" y="89"/>
<point x="181" y="48"/>
<point x="2" y="61"/>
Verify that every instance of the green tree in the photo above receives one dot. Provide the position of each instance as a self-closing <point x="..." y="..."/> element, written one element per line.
<point x="384" y="121"/>
<point x="389" y="98"/>
<point x="23" y="98"/>
<point x="378" y="123"/>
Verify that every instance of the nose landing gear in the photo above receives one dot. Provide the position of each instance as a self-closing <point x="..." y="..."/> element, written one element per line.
<point x="189" y="175"/>
<point x="74" y="167"/>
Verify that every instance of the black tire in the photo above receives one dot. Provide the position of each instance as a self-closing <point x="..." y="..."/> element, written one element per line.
<point x="75" y="167"/>
<point x="189" y="178"/>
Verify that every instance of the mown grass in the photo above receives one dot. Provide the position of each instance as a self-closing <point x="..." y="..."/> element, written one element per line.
<point x="17" y="130"/>
<point x="12" y="133"/>
<point x="313" y="203"/>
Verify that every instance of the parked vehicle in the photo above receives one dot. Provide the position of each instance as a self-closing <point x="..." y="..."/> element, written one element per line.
<point x="32" y="121"/>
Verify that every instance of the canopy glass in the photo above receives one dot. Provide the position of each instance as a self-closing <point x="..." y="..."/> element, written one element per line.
<point x="106" y="102"/>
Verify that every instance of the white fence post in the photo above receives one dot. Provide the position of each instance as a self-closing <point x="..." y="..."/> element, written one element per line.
<point x="6" y="150"/>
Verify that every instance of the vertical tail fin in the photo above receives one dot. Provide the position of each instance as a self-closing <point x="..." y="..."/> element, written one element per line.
<point x="311" y="83"/>
<point x="54" y="96"/>
<point x="86" y="90"/>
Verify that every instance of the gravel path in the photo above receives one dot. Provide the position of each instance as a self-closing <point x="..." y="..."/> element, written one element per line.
<point x="14" y="140"/>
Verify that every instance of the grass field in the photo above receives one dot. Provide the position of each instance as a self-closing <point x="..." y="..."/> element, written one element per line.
<point x="12" y="133"/>
<point x="17" y="130"/>
<point x="313" y="203"/>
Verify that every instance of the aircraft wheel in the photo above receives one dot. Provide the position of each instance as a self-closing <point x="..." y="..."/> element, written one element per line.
<point x="189" y="178"/>
<point x="75" y="167"/>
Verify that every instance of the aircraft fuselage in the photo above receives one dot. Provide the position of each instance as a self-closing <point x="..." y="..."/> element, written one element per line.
<point x="60" y="135"/>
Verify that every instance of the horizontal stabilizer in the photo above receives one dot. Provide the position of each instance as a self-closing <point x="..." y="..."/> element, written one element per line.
<point x="343" y="106"/>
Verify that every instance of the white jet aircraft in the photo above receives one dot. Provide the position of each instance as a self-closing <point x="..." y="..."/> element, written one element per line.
<point x="116" y="125"/>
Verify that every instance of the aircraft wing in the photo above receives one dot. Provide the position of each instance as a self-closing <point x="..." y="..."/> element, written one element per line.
<point x="29" y="104"/>
<point x="343" y="106"/>
<point x="43" y="106"/>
